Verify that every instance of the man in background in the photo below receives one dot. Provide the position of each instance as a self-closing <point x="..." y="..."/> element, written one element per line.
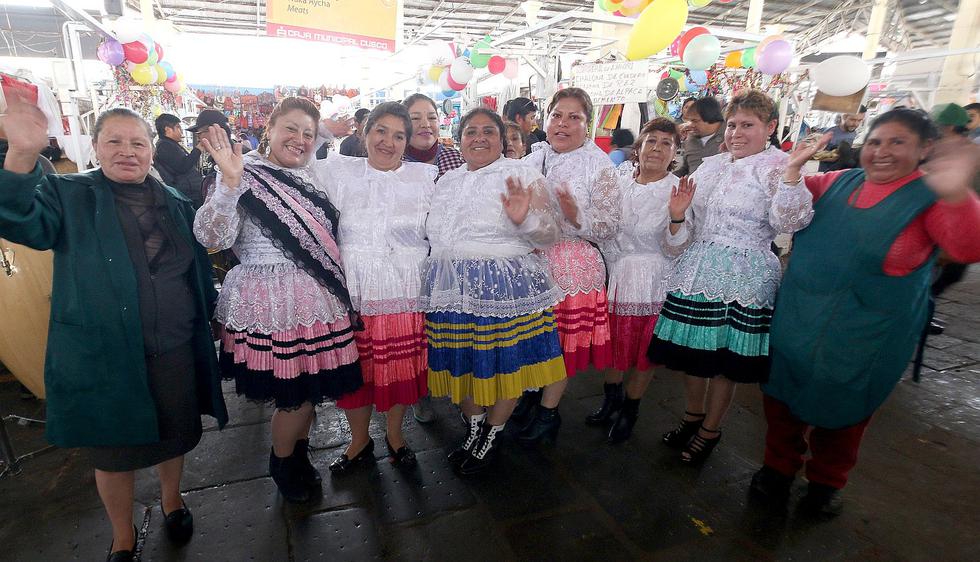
<point x="353" y="145"/>
<point x="973" y="110"/>
<point x="178" y="168"/>
<point x="523" y="112"/>
<point x="842" y="139"/>
<point x="704" y="136"/>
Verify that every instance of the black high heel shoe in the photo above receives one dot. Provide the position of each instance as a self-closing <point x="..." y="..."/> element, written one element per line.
<point x="623" y="426"/>
<point x="679" y="436"/>
<point x="403" y="457"/>
<point x="308" y="472"/>
<point x="123" y="555"/>
<point x="179" y="524"/>
<point x="611" y="404"/>
<point x="699" y="448"/>
<point x="543" y="429"/>
<point x="344" y="465"/>
<point x="527" y="406"/>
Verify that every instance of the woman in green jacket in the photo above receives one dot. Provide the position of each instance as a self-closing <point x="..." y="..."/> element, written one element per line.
<point x="130" y="364"/>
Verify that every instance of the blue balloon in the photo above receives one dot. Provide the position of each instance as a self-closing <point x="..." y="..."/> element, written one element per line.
<point x="466" y="53"/>
<point x="698" y="77"/>
<point x="450" y="93"/>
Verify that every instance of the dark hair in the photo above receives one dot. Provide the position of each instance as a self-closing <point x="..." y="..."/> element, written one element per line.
<point x="663" y="125"/>
<point x="164" y="121"/>
<point x="361" y="114"/>
<point x="708" y="109"/>
<point x="119" y="112"/>
<point x="862" y="109"/>
<point x="622" y="138"/>
<point x="519" y="106"/>
<point x="493" y="115"/>
<point x="755" y="102"/>
<point x="390" y="108"/>
<point x="577" y="94"/>
<point x="412" y="99"/>
<point x="972" y="106"/>
<point x="687" y="101"/>
<point x="284" y="106"/>
<point x="915" y="120"/>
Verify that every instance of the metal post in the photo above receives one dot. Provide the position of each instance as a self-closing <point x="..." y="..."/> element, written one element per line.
<point x="7" y="451"/>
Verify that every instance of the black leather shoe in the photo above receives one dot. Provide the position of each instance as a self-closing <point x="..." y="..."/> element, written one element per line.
<point x="286" y="473"/>
<point x="459" y="454"/>
<point x="403" y="457"/>
<point x="623" y="426"/>
<point x="770" y="485"/>
<point x="344" y="465"/>
<point x="481" y="457"/>
<point x="821" y="501"/>
<point x="935" y="328"/>
<point x="611" y="404"/>
<point x="179" y="524"/>
<point x="543" y="429"/>
<point x="123" y="555"/>
<point x="523" y="413"/>
<point x="309" y="473"/>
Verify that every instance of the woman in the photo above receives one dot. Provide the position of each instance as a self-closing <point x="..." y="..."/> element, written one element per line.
<point x="586" y="187"/>
<point x="854" y="300"/>
<point x="714" y="325"/>
<point x="288" y="324"/>
<point x="637" y="266"/>
<point x="515" y="140"/>
<point x="486" y="293"/>
<point x="424" y="146"/>
<point x="383" y="203"/>
<point x="130" y="364"/>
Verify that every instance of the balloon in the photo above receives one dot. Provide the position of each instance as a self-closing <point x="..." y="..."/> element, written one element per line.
<point x="434" y="73"/>
<point x="675" y="47"/>
<point x="841" y="75"/>
<point x="733" y="59"/>
<point x="686" y="37"/>
<point x="135" y="52"/>
<point x="511" y="69"/>
<point x="496" y="64"/>
<point x="631" y="12"/>
<point x="478" y="56"/>
<point x="461" y="71"/>
<point x="174" y="87"/>
<point x="699" y="3"/>
<point x="776" y="58"/>
<point x="146" y="40"/>
<point x="151" y="57"/>
<point x="632" y="3"/>
<point x="656" y="27"/>
<point x="748" y="57"/>
<point x="449" y="93"/>
<point x="702" y="52"/>
<point x="161" y="74"/>
<point x="698" y="77"/>
<point x="444" y="81"/>
<point x="159" y="49"/>
<point x="111" y="52"/>
<point x="454" y="85"/>
<point x="441" y="53"/>
<point x="761" y="47"/>
<point x="168" y="69"/>
<point x="144" y="74"/>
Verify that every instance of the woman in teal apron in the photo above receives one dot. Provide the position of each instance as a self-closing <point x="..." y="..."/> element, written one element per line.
<point x="854" y="299"/>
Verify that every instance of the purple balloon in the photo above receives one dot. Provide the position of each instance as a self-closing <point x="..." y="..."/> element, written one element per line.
<point x="111" y="52"/>
<point x="775" y="58"/>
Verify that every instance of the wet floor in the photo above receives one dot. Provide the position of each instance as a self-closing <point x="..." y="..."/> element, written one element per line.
<point x="913" y="495"/>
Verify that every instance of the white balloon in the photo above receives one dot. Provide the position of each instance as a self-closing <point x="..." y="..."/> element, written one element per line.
<point x="440" y="53"/>
<point x="444" y="81"/>
<point x="842" y="75"/>
<point x="461" y="70"/>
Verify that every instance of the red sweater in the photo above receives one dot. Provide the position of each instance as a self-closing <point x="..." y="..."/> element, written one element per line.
<point x="954" y="228"/>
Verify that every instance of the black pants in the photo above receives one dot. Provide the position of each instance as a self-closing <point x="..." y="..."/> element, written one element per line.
<point x="949" y="275"/>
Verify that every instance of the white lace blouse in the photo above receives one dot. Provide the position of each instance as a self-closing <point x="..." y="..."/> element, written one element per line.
<point x="267" y="292"/>
<point x="481" y="263"/>
<point x="382" y="229"/>
<point x="739" y="208"/>
<point x="592" y="179"/>
<point x="636" y="259"/>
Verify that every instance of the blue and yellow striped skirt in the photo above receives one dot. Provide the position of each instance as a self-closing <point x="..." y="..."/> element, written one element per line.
<point x="491" y="359"/>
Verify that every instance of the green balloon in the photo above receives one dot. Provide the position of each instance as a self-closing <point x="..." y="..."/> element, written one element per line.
<point x="676" y="74"/>
<point x="748" y="58"/>
<point x="477" y="57"/>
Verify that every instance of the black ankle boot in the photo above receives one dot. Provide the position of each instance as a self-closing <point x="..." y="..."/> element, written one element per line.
<point x="309" y="473"/>
<point x="771" y="486"/>
<point x="285" y="473"/>
<point x="611" y="404"/>
<point x="524" y="412"/>
<point x="821" y="500"/>
<point x="623" y="426"/>
<point x="482" y="454"/>
<point x="460" y="453"/>
<point x="543" y="428"/>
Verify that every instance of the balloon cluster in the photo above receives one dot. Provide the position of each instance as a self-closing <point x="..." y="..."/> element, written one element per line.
<point x="697" y="48"/>
<point x="628" y="8"/>
<point x="452" y="70"/>
<point x="142" y="58"/>
<point x="772" y="56"/>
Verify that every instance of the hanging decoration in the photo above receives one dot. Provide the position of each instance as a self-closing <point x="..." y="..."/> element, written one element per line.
<point x="452" y="69"/>
<point x="656" y="28"/>
<point x="142" y="61"/>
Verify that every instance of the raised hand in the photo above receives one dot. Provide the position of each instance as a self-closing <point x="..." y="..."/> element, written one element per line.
<point x="952" y="168"/>
<point x="681" y="197"/>
<point x="228" y="158"/>
<point x="26" y="129"/>
<point x="517" y="201"/>
<point x="339" y="127"/>
<point x="568" y="204"/>
<point x="803" y="152"/>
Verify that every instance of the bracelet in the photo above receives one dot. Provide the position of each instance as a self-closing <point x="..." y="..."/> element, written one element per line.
<point x="673" y="221"/>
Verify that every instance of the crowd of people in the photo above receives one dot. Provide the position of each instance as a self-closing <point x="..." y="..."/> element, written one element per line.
<point x="489" y="273"/>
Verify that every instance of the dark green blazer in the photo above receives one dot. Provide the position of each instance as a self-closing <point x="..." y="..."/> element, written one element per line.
<point x="95" y="367"/>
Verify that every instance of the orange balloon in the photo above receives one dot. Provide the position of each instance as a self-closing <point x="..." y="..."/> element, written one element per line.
<point x="733" y="60"/>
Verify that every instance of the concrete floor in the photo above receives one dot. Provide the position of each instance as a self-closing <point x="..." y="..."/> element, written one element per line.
<point x="913" y="496"/>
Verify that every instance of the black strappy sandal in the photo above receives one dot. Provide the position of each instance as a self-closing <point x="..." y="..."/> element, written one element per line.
<point x="699" y="448"/>
<point x="680" y="436"/>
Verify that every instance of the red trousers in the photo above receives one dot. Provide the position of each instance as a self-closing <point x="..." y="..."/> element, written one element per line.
<point x="833" y="452"/>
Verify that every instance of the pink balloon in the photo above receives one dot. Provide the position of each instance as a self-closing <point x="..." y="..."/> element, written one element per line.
<point x="136" y="52"/>
<point x="511" y="69"/>
<point x="173" y="86"/>
<point x="776" y="58"/>
<point x="454" y="85"/>
<point x="675" y="47"/>
<point x="496" y="64"/>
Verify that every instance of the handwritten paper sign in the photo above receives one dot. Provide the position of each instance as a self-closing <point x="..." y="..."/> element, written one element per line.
<point x="613" y="82"/>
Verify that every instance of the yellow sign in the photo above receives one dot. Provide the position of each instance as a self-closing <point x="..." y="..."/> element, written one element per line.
<point x="369" y="24"/>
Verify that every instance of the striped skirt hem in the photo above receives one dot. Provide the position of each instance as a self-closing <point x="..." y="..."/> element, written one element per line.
<point x="583" y="330"/>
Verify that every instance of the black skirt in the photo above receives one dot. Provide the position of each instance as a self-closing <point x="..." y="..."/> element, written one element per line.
<point x="172" y="386"/>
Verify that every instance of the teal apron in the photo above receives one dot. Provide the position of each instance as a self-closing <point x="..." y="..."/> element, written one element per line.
<point x="842" y="330"/>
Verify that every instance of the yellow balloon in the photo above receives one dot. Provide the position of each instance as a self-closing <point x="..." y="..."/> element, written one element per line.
<point x="733" y="60"/>
<point x="161" y="74"/>
<point x="656" y="28"/>
<point x="434" y="73"/>
<point x="144" y="74"/>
